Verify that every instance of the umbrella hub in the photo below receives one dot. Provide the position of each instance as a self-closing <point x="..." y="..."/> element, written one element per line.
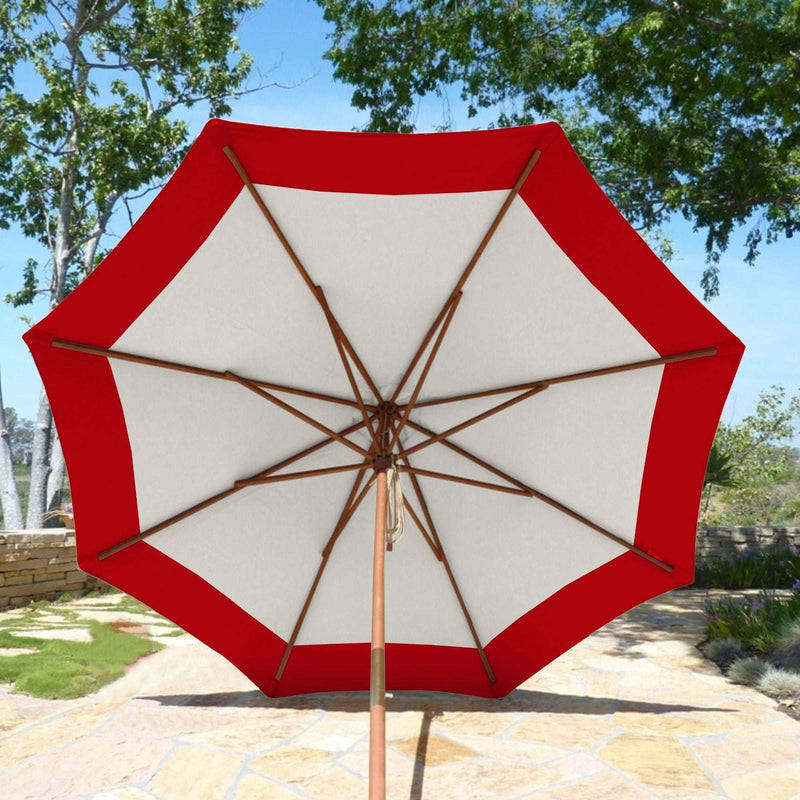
<point x="383" y="462"/>
<point x="387" y="409"/>
<point x="386" y="457"/>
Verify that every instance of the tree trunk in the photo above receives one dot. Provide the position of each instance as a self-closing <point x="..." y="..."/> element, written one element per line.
<point x="40" y="465"/>
<point x="62" y="253"/>
<point x="9" y="497"/>
<point x="55" y="481"/>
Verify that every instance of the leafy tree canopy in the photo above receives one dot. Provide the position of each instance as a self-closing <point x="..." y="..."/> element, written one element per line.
<point x="761" y="468"/>
<point x="676" y="106"/>
<point x="93" y="123"/>
<point x="87" y="94"/>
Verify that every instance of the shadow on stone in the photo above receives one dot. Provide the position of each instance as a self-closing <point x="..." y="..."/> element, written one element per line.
<point x="520" y="700"/>
<point x="680" y="615"/>
<point x="429" y="714"/>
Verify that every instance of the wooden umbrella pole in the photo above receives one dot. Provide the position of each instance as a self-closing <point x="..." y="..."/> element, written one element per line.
<point x="377" y="674"/>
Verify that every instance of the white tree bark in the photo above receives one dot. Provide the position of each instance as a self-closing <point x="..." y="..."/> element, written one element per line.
<point x="40" y="464"/>
<point x="55" y="481"/>
<point x="9" y="497"/>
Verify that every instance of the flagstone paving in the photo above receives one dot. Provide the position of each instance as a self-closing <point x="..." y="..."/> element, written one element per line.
<point x="632" y="713"/>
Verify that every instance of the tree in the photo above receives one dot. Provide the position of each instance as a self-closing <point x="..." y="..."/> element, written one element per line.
<point x="719" y="473"/>
<point x="9" y="499"/>
<point x="676" y="106"/>
<point x="719" y="469"/>
<point x="20" y="434"/>
<point x="93" y="125"/>
<point x="761" y="487"/>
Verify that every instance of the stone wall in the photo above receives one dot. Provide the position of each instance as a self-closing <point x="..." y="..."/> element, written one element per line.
<point x="714" y="542"/>
<point x="43" y="564"/>
<point x="38" y="565"/>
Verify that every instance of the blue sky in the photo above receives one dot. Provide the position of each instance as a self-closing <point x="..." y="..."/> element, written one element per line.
<point x="287" y="38"/>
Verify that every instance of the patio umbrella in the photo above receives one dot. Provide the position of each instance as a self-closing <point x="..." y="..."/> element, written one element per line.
<point x="461" y="327"/>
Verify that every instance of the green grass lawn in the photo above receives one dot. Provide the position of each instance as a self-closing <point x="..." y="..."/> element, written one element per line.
<point x="65" y="669"/>
<point x="59" y="668"/>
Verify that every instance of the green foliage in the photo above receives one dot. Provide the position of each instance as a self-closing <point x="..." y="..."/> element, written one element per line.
<point x="65" y="669"/>
<point x="747" y="671"/>
<point x="719" y="469"/>
<point x="755" y="622"/>
<point x="88" y="98"/>
<point x="777" y="568"/>
<point x="30" y="283"/>
<point x="93" y="120"/>
<point x="20" y="434"/>
<point x="764" y="485"/>
<point x="676" y="107"/>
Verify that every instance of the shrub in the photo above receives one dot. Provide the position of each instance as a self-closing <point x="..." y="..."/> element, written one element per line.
<point x="755" y="622"/>
<point x="777" y="568"/>
<point x="747" y="671"/>
<point x="787" y="648"/>
<point x="723" y="652"/>
<point x="768" y="624"/>
<point x="777" y="682"/>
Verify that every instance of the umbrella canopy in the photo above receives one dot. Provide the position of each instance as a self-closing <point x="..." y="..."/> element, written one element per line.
<point x="298" y="311"/>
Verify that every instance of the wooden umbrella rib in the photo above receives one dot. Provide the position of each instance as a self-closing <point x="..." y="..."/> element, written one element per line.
<point x="461" y="602"/>
<point x="424" y="374"/>
<point x="477" y="418"/>
<point x="515" y="189"/>
<point x="293" y="476"/>
<point x="418" y="522"/>
<point x="444" y="476"/>
<point x="575" y="376"/>
<point x="530" y="492"/>
<point x="356" y="503"/>
<point x="470" y="456"/>
<point x="312" y="449"/>
<point x="208" y="373"/>
<point x="349" y="509"/>
<point x="296" y="413"/>
<point x="268" y="216"/>
<point x="353" y="354"/>
<point x="138" y="537"/>
<point x="424" y="506"/>
<point x="337" y="338"/>
<point x="418" y="491"/>
<point x="595" y="527"/>
<point x="110" y="551"/>
<point x="470" y="624"/>
<point x="297" y="263"/>
<point x="287" y="651"/>
<point x="440" y="554"/>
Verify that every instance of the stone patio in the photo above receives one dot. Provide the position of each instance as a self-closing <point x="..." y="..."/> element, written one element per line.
<point x="633" y="712"/>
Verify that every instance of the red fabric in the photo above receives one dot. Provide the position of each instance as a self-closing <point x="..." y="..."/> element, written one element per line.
<point x="583" y="222"/>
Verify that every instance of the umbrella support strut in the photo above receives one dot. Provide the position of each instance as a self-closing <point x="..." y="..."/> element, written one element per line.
<point x="377" y="675"/>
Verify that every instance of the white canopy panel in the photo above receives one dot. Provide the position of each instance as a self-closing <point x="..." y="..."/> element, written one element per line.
<point x="527" y="313"/>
